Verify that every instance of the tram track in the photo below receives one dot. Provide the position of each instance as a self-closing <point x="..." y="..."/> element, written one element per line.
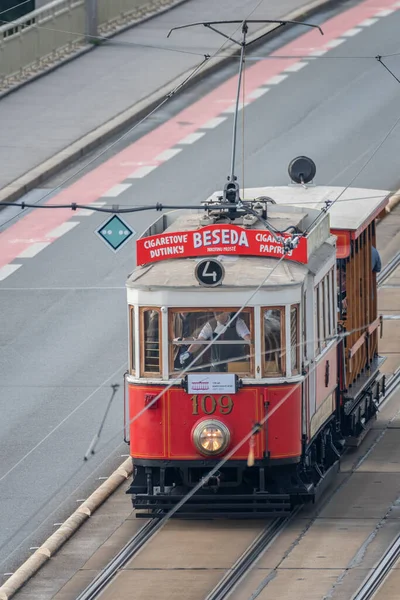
<point x="128" y="551"/>
<point x="244" y="564"/>
<point x="248" y="559"/>
<point x="379" y="575"/>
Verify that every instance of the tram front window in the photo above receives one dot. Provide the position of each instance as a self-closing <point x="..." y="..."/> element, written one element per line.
<point x="191" y="339"/>
<point x="273" y="341"/>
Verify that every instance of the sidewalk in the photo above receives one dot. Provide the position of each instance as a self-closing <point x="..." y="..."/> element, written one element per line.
<point x="52" y="121"/>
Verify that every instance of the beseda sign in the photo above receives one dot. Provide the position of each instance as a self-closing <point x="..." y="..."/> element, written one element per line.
<point x="213" y="240"/>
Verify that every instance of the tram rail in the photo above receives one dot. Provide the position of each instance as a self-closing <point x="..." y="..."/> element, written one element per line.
<point x="128" y="551"/>
<point x="380" y="573"/>
<point x="249" y="557"/>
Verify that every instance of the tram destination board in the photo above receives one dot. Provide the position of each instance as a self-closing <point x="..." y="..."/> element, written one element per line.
<point x="115" y="232"/>
<point x="216" y="240"/>
<point x="209" y="273"/>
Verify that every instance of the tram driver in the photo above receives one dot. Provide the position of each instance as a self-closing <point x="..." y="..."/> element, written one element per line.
<point x="222" y="353"/>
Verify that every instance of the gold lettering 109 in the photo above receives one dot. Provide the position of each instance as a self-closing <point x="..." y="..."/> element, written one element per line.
<point x="209" y="404"/>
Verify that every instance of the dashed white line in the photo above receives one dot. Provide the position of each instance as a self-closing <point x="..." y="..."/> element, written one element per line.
<point x="335" y="43"/>
<point x="231" y="109"/>
<point x="317" y="53"/>
<point x="97" y="203"/>
<point x="352" y="32"/>
<point x="191" y="138"/>
<point x="167" y="154"/>
<point x="8" y="270"/>
<point x="385" y="12"/>
<point x="258" y="92"/>
<point x="116" y="190"/>
<point x="84" y="212"/>
<point x="33" y="249"/>
<point x="276" y="79"/>
<point x="368" y="22"/>
<point x="61" y="229"/>
<point x="213" y="123"/>
<point x="296" y="67"/>
<point x="142" y="172"/>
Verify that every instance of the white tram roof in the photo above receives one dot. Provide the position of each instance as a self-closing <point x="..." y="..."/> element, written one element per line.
<point x="240" y="271"/>
<point x="354" y="208"/>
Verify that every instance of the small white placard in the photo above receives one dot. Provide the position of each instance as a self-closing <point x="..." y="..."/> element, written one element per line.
<point x="211" y="383"/>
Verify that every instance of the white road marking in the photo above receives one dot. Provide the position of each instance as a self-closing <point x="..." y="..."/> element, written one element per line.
<point x="231" y="109"/>
<point x="142" y="172"/>
<point x="296" y="67"/>
<point x="97" y="203"/>
<point x="191" y="138"/>
<point x="316" y="53"/>
<point x="334" y="43"/>
<point x="8" y="270"/>
<point x="385" y="12"/>
<point x="84" y="212"/>
<point x="258" y="92"/>
<point x="167" y="154"/>
<point x="61" y="229"/>
<point x="368" y="22"/>
<point x="276" y="79"/>
<point x="116" y="190"/>
<point x="213" y="123"/>
<point x="352" y="32"/>
<point x="33" y="249"/>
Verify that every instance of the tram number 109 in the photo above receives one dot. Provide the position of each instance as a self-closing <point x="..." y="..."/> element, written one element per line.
<point x="209" y="404"/>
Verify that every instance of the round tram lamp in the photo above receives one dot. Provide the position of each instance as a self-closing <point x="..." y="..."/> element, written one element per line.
<point x="211" y="437"/>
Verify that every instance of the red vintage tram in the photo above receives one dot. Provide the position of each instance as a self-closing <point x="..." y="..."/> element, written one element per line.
<point x="253" y="337"/>
<point x="270" y="310"/>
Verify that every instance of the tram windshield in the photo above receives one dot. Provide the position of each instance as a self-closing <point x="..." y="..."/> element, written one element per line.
<point x="191" y="334"/>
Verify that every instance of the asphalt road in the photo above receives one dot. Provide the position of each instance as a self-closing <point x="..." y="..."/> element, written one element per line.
<point x="63" y="313"/>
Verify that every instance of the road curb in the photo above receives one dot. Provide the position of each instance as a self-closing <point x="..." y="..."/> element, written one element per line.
<point x="34" y="563"/>
<point x="33" y="178"/>
<point x="88" y="47"/>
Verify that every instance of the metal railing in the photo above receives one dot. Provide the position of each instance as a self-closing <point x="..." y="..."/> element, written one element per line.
<point x="51" y="33"/>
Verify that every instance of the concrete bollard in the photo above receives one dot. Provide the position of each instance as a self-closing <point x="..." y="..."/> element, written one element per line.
<point x="67" y="529"/>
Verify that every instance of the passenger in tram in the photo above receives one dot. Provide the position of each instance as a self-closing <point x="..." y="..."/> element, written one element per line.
<point x="376" y="261"/>
<point x="341" y="287"/>
<point x="181" y="328"/>
<point x="221" y="354"/>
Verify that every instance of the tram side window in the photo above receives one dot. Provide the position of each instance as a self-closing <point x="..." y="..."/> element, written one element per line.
<point x="273" y="341"/>
<point x="133" y="338"/>
<point x="294" y="339"/>
<point x="325" y="319"/>
<point x="151" y="342"/>
<point x="190" y="335"/>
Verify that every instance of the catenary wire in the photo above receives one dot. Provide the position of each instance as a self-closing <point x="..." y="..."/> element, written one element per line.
<point x="107" y="458"/>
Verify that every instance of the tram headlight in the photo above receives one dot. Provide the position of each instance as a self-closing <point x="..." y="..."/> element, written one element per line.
<point x="211" y="437"/>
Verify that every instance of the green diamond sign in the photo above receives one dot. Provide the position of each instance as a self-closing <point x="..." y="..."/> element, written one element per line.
<point x="115" y="233"/>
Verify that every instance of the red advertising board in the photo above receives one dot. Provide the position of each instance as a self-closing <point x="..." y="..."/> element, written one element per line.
<point x="214" y="240"/>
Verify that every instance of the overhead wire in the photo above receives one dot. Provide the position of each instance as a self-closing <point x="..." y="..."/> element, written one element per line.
<point x="331" y="338"/>
<point x="238" y="312"/>
<point x="10" y="8"/>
